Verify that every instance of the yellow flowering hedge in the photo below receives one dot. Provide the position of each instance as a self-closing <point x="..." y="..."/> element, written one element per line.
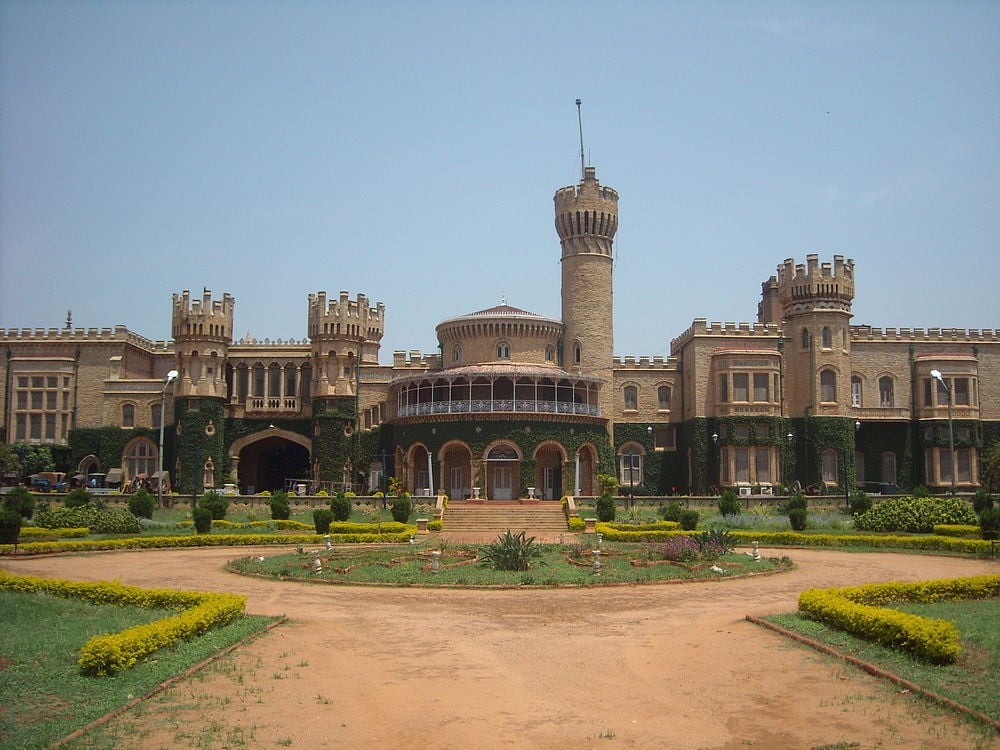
<point x="861" y="611"/>
<point x="110" y="653"/>
<point x="200" y="540"/>
<point x="34" y="532"/>
<point x="956" y="529"/>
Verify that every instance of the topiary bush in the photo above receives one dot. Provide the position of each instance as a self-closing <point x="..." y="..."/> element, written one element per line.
<point x="142" y="504"/>
<point x="980" y="501"/>
<point x="10" y="526"/>
<point x="215" y="504"/>
<point x="798" y="518"/>
<point x="918" y="515"/>
<point x="798" y="500"/>
<point x="341" y="507"/>
<point x="77" y="498"/>
<point x="920" y="491"/>
<point x="605" y="508"/>
<point x="860" y="503"/>
<point x="729" y="503"/>
<point x="115" y="521"/>
<point x="402" y="507"/>
<point x="989" y="523"/>
<point x="202" y="520"/>
<point x="21" y="501"/>
<point x="689" y="520"/>
<point x="322" y="518"/>
<point x="281" y="509"/>
<point x="671" y="512"/>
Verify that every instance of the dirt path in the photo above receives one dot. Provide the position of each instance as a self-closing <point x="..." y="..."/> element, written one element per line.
<point x="668" y="666"/>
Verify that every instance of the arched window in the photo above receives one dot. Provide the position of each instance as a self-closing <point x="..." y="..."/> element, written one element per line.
<point x="140" y="458"/>
<point x="663" y="397"/>
<point x="856" y="391"/>
<point x="830" y="466"/>
<point x="456" y="354"/>
<point x="503" y="350"/>
<point x="886" y="397"/>
<point x="550" y="353"/>
<point x="630" y="462"/>
<point x="828" y="386"/>
<point x="577" y="353"/>
<point x="827" y="338"/>
<point x="128" y="415"/>
<point x="631" y="396"/>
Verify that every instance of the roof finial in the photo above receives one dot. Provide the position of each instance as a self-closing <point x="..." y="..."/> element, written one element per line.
<point x="503" y="296"/>
<point x="579" y="119"/>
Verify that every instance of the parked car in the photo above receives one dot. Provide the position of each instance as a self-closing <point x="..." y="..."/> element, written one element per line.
<point x="47" y="481"/>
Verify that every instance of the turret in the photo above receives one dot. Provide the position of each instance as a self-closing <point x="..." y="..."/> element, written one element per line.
<point x="343" y="332"/>
<point x="202" y="330"/>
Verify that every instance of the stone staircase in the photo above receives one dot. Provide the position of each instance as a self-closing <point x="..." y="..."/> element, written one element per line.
<point x="544" y="517"/>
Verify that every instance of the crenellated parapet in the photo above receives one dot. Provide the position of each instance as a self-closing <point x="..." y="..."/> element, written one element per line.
<point x="645" y="363"/>
<point x="345" y="319"/>
<point x="948" y="335"/>
<point x="415" y="360"/>
<point x="202" y="319"/>
<point x="82" y="335"/>
<point x="701" y="327"/>
<point x="815" y="286"/>
<point x="586" y="216"/>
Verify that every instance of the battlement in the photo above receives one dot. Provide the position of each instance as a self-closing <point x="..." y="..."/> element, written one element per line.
<point x="587" y="208"/>
<point x="204" y="318"/>
<point x="415" y="360"/>
<point x="644" y="363"/>
<point x="344" y="318"/>
<point x="951" y="335"/>
<point x="701" y="327"/>
<point x="81" y="335"/>
<point x="815" y="285"/>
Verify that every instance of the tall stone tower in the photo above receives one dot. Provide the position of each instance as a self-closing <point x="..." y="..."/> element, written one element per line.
<point x="344" y="334"/>
<point x="586" y="221"/>
<point x="202" y="330"/>
<point x="816" y="309"/>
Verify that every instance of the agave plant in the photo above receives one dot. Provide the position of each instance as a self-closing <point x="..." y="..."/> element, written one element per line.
<point x="715" y="543"/>
<point x="510" y="552"/>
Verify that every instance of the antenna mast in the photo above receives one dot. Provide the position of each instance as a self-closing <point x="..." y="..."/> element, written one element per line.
<point x="579" y="119"/>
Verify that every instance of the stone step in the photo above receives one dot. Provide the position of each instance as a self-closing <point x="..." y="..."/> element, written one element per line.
<point x="495" y="516"/>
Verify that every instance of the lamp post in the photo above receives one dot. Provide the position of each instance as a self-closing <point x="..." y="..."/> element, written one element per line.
<point x="171" y="377"/>
<point x="847" y="479"/>
<point x="936" y="374"/>
<point x="631" y="477"/>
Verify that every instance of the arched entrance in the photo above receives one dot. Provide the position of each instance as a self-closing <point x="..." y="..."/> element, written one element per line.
<point x="264" y="460"/>
<point x="549" y="460"/>
<point x="503" y="472"/>
<point x="585" y="478"/>
<point x="456" y="471"/>
<point x="419" y="480"/>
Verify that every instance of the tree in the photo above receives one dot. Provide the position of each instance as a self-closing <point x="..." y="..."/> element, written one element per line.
<point x="34" y="458"/>
<point x="991" y="468"/>
<point x="10" y="464"/>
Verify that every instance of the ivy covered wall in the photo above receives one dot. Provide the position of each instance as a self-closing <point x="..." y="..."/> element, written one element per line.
<point x="199" y="434"/>
<point x="106" y="443"/>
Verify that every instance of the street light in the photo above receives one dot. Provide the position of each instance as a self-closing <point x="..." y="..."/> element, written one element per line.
<point x="171" y="377"/>
<point x="936" y="374"/>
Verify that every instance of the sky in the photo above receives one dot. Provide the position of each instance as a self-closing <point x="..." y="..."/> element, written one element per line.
<point x="409" y="151"/>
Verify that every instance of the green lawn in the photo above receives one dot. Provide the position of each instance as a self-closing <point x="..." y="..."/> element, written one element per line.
<point x="44" y="695"/>
<point x="973" y="681"/>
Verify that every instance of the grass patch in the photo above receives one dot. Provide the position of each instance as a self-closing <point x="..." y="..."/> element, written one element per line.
<point x="45" y="695"/>
<point x="973" y="681"/>
<point x="557" y="565"/>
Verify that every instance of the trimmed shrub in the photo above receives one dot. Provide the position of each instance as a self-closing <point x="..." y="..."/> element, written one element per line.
<point x="21" y="501"/>
<point x="115" y="521"/>
<point x="202" y="520"/>
<point x="915" y="514"/>
<point x="66" y="518"/>
<point x="281" y="509"/>
<point x="10" y="526"/>
<point x="798" y="500"/>
<point x="989" y="523"/>
<point x="605" y="508"/>
<point x="689" y="520"/>
<point x="798" y="518"/>
<point x="142" y="504"/>
<point x="980" y="501"/>
<point x="341" y="507"/>
<point x="77" y="498"/>
<point x="671" y="512"/>
<point x="729" y="503"/>
<point x="215" y="504"/>
<point x="860" y="503"/>
<point x="322" y="518"/>
<point x="402" y="507"/>
<point x="920" y="491"/>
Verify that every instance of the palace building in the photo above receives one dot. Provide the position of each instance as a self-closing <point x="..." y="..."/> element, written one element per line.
<point x="516" y="404"/>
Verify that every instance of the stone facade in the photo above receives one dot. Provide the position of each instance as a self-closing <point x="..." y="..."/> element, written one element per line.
<point x="516" y="403"/>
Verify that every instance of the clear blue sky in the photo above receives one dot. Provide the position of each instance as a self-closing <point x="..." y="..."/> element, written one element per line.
<point x="409" y="151"/>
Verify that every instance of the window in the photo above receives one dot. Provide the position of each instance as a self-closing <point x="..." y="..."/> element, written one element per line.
<point x="830" y="466"/>
<point x="456" y="354"/>
<point x="741" y="431"/>
<point x="828" y="386"/>
<point x="760" y="389"/>
<point x="762" y="465"/>
<point x="154" y="415"/>
<point x="577" y="353"/>
<point x="664" y="439"/>
<point x="806" y="339"/>
<point x="630" y="474"/>
<point x="41" y="408"/>
<point x="723" y="389"/>
<point x="631" y="394"/>
<point x="827" y="338"/>
<point x="503" y="350"/>
<point x="550" y="353"/>
<point x="663" y="397"/>
<point x="859" y="466"/>
<point x="140" y="458"/>
<point x="885" y="395"/>
<point x="741" y="386"/>
<point x="856" y="391"/>
<point x="888" y="472"/>
<point x="741" y="464"/>
<point x="128" y="415"/>
<point x="960" y="390"/>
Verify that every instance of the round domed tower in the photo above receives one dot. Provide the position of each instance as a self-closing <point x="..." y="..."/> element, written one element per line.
<point x="586" y="221"/>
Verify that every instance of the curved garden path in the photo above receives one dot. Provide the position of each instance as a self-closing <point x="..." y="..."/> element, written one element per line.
<point x="661" y="666"/>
